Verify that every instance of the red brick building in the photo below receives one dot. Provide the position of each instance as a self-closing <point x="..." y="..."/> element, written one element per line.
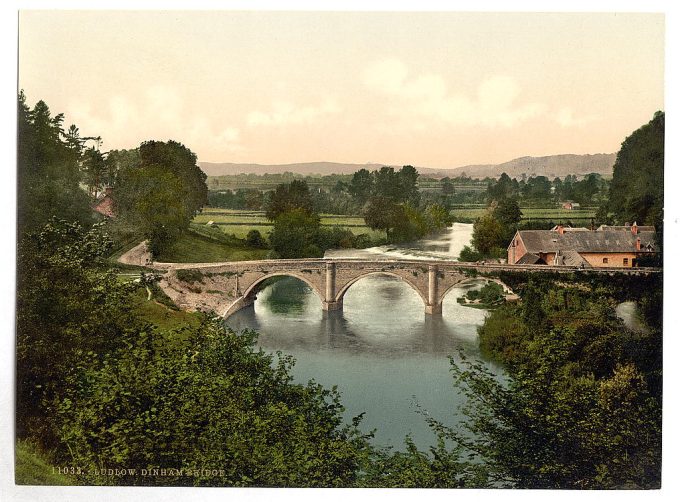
<point x="619" y="246"/>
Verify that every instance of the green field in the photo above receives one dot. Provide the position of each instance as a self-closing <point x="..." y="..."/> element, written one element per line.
<point x="555" y="214"/>
<point x="239" y="222"/>
<point x="191" y="247"/>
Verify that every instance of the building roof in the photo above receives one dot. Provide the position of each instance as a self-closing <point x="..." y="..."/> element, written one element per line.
<point x="529" y="259"/>
<point x="571" y="258"/>
<point x="641" y="228"/>
<point x="601" y="241"/>
<point x="105" y="206"/>
<point x="570" y="229"/>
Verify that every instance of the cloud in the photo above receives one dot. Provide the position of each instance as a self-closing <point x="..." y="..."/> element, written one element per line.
<point x="286" y="113"/>
<point x="159" y="113"/>
<point x="496" y="103"/>
<point x="565" y="118"/>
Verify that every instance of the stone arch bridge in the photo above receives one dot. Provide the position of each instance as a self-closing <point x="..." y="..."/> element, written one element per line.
<point x="228" y="287"/>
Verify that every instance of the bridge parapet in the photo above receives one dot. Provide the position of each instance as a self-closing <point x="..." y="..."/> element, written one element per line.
<point x="227" y="287"/>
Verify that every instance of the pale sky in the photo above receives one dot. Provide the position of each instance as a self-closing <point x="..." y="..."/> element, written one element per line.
<point x="427" y="89"/>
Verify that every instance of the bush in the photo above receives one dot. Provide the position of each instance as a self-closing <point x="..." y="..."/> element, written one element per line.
<point x="468" y="254"/>
<point x="189" y="275"/>
<point x="213" y="403"/>
<point x="255" y="239"/>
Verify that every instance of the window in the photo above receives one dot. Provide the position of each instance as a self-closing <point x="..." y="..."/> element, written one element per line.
<point x="625" y="261"/>
<point x="605" y="260"/>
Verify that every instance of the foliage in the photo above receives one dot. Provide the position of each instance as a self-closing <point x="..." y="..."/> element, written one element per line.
<point x="48" y="173"/>
<point x="487" y="234"/>
<point x="582" y="407"/>
<point x="468" y="254"/>
<point x="189" y="275"/>
<point x="490" y="294"/>
<point x="440" y="467"/>
<point x="158" y="190"/>
<point x="255" y="239"/>
<point x="63" y="298"/>
<point x="214" y="402"/>
<point x="149" y="199"/>
<point x="287" y="197"/>
<point x="381" y="213"/>
<point x="636" y="192"/>
<point x="361" y="186"/>
<point x="295" y="234"/>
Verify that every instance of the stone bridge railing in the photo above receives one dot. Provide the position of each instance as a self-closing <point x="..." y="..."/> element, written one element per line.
<point x="228" y="287"/>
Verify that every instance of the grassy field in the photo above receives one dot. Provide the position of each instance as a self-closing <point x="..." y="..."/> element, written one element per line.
<point x="239" y="222"/>
<point x="555" y="214"/>
<point x="194" y="248"/>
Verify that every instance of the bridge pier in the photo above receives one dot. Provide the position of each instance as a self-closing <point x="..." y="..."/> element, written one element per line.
<point x="433" y="307"/>
<point x="331" y="306"/>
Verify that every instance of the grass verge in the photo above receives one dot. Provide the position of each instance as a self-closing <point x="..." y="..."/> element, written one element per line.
<point x="33" y="467"/>
<point x="193" y="248"/>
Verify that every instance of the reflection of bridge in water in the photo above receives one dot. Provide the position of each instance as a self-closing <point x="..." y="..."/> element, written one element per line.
<point x="228" y="287"/>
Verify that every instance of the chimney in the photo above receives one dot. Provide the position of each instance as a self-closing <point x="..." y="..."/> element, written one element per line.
<point x="634" y="228"/>
<point x="560" y="229"/>
<point x="108" y="190"/>
<point x="637" y="244"/>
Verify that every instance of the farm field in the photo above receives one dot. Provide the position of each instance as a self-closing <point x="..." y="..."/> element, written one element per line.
<point x="555" y="214"/>
<point x="239" y="222"/>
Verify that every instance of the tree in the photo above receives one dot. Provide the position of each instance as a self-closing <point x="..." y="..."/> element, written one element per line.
<point x="181" y="162"/>
<point x="381" y="213"/>
<point x="388" y="184"/>
<point x="255" y="239"/>
<point x="579" y="405"/>
<point x="48" y="174"/>
<point x="287" y="197"/>
<point x="150" y="198"/>
<point x="408" y="183"/>
<point x="487" y="234"/>
<point x="94" y="170"/>
<point x="361" y="186"/>
<point x="501" y="189"/>
<point x="507" y="212"/>
<point x="636" y="192"/>
<point x="295" y="234"/>
<point x="214" y="402"/>
<point x="447" y="186"/>
<point x="158" y="190"/>
<point x="67" y="307"/>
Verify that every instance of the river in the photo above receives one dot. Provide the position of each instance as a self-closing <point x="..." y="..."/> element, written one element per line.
<point x="388" y="359"/>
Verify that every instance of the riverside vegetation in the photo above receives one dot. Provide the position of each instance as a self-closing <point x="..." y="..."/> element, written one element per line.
<point x="139" y="386"/>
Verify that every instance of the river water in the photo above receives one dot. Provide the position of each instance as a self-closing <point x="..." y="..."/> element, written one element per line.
<point x="388" y="359"/>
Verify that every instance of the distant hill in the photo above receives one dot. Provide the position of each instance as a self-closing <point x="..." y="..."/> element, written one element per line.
<point x="551" y="166"/>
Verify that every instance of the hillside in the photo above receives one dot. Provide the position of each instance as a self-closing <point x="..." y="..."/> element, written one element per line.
<point x="551" y="166"/>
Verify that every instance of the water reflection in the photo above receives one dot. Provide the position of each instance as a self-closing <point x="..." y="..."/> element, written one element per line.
<point x="386" y="356"/>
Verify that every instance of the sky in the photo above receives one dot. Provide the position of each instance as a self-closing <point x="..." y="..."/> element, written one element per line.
<point x="436" y="89"/>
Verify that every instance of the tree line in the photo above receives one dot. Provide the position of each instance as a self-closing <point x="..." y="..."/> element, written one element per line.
<point x="389" y="201"/>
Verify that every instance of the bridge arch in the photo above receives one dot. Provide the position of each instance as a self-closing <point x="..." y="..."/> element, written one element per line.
<point x="468" y="280"/>
<point x="252" y="289"/>
<point x="341" y="294"/>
